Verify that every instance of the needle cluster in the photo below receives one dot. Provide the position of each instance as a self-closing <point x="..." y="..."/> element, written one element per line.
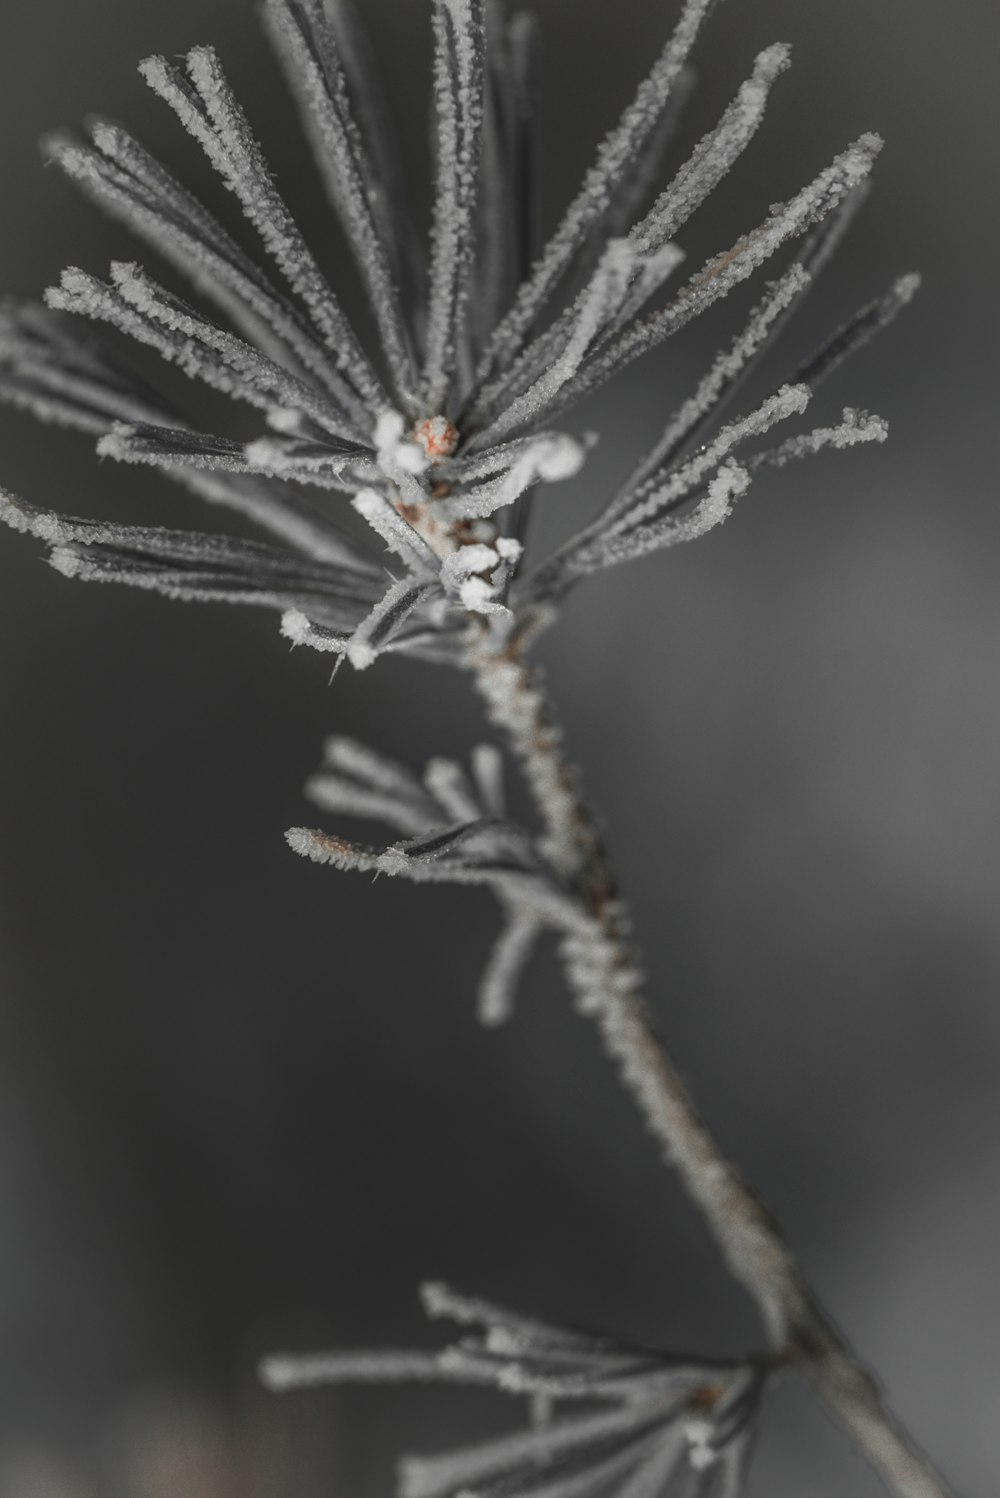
<point x="439" y="436"/>
<point x="605" y="1418"/>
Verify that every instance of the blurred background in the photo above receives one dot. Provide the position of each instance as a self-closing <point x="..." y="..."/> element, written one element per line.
<point x="244" y="1101"/>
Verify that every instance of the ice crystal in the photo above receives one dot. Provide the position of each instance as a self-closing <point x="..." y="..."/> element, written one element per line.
<point x="440" y="436"/>
<point x="641" y="1422"/>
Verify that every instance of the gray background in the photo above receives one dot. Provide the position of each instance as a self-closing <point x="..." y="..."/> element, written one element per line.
<point x="243" y="1101"/>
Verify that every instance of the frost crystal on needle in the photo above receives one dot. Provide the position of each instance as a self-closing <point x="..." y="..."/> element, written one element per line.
<point x="439" y="436"/>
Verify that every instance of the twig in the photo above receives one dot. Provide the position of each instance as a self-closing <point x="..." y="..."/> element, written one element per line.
<point x="603" y="974"/>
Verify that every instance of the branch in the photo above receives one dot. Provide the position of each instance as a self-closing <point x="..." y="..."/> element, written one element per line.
<point x="603" y="974"/>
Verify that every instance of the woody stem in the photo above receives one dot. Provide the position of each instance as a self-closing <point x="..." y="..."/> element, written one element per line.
<point x="603" y="975"/>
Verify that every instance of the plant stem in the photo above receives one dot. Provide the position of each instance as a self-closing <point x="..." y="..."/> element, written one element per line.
<point x="603" y="974"/>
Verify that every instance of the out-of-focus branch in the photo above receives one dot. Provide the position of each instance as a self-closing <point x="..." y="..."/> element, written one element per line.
<point x="603" y="975"/>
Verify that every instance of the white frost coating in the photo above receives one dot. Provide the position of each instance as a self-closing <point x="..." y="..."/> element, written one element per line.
<point x="398" y="535"/>
<point x="431" y="1477"/>
<point x="598" y="1476"/>
<point x="468" y="560"/>
<point x="374" y="633"/>
<point x="396" y="452"/>
<point x="695" y="412"/>
<point x="261" y="379"/>
<point x="441" y="1302"/>
<point x="724" y="372"/>
<point x="508" y="548"/>
<point x="711" y="159"/>
<point x="668" y="503"/>
<point x="511" y="952"/>
<point x="460" y="574"/>
<point x="336" y="794"/>
<point x="509" y="152"/>
<point x="855" y="427"/>
<point x="496" y="458"/>
<point x="459" y="32"/>
<point x="199" y="568"/>
<point x="559" y="458"/>
<point x="78" y="399"/>
<point x="78" y="564"/>
<point x="166" y="447"/>
<point x="81" y="293"/>
<point x="616" y="152"/>
<point x="637" y="1431"/>
<point x="515" y="704"/>
<point x="69" y="563"/>
<point x="131" y="185"/>
<point x="652" y="498"/>
<point x="450" y="787"/>
<point x="21" y="516"/>
<point x="56" y="408"/>
<point x="146" y="312"/>
<point x="466" y="1363"/>
<point x="726" y="486"/>
<point x="513" y="1335"/>
<point x="382" y="153"/>
<point x="308" y="48"/>
<point x="285" y="420"/>
<point x="389" y="429"/>
<point x="608" y="988"/>
<point x="488" y="772"/>
<point x="859" y="329"/>
<point x="595" y="309"/>
<point x="365" y="764"/>
<point x="723" y="272"/>
<point x="551" y="458"/>
<point x="730" y="1474"/>
<point x="322" y="848"/>
<point x="63" y="377"/>
<point x="652" y="271"/>
<point x="282" y="1372"/>
<point x="651" y="1478"/>
<point x="276" y="457"/>
<point x="906" y="287"/>
<point x="300" y="630"/>
<point x="188" y="565"/>
<point x="180" y="547"/>
<point x="713" y="155"/>
<point x="702" y="1454"/>
<point x="480" y="597"/>
<point x="290" y="370"/>
<point x="207" y="108"/>
<point x="622" y="281"/>
<point x="632" y="1423"/>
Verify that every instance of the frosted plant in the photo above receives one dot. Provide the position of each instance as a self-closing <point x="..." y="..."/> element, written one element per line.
<point x="434" y="446"/>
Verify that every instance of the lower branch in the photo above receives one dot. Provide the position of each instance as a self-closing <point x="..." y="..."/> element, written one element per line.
<point x="603" y="974"/>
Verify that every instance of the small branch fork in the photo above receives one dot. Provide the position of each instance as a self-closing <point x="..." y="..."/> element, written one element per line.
<point x="602" y="972"/>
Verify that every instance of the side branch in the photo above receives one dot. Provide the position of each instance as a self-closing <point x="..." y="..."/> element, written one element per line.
<point x="603" y="974"/>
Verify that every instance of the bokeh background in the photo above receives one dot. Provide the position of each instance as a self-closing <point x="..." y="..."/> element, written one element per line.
<point x="244" y="1101"/>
